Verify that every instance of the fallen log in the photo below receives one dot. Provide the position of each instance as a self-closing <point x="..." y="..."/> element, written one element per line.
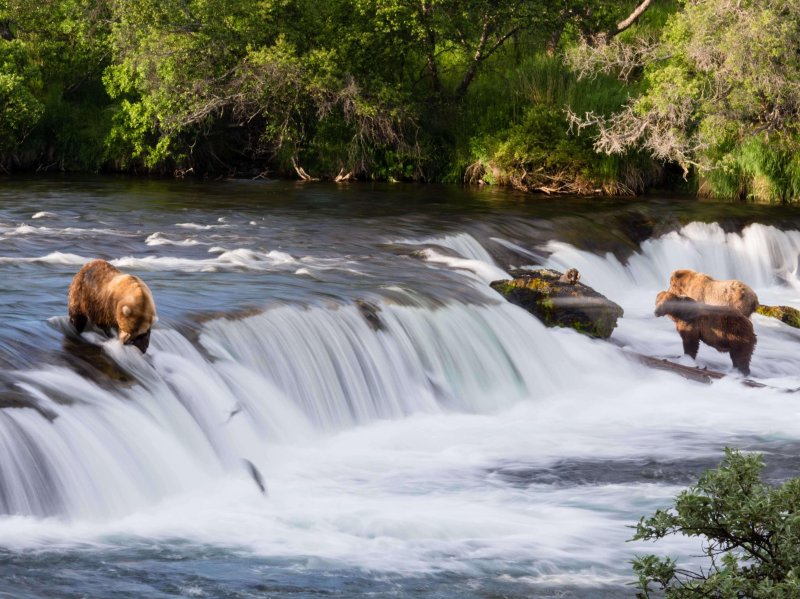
<point x="693" y="373"/>
<point x="343" y="176"/>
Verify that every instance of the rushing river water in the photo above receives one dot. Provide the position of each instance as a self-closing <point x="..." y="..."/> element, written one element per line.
<point x="416" y="435"/>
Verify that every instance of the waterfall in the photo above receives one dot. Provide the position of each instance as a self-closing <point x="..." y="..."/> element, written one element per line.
<point x="341" y="372"/>
<point x="464" y="244"/>
<point x="283" y="375"/>
<point x="762" y="256"/>
<point x="195" y="410"/>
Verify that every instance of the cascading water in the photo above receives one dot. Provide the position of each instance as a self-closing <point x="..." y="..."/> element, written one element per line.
<point x="277" y="376"/>
<point x="413" y="431"/>
<point x="763" y="256"/>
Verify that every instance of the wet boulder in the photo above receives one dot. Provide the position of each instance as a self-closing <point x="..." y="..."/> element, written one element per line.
<point x="786" y="314"/>
<point x="561" y="300"/>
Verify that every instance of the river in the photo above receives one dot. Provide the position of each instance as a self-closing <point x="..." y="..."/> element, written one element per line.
<point x="415" y="435"/>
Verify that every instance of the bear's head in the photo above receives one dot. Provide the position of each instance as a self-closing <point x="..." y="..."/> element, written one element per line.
<point x="663" y="301"/>
<point x="680" y="279"/>
<point x="680" y="307"/>
<point x="136" y="314"/>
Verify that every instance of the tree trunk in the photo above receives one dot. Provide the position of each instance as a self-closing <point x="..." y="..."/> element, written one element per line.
<point x="430" y="38"/>
<point x="554" y="38"/>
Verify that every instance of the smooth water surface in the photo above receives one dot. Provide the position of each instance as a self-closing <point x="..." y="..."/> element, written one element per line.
<point x="415" y="435"/>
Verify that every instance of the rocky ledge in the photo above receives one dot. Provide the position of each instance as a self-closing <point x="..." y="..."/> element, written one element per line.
<point x="560" y="300"/>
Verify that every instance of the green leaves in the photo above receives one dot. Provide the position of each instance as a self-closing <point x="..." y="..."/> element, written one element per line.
<point x="20" y="110"/>
<point x="720" y="76"/>
<point x="749" y="529"/>
<point x="390" y="89"/>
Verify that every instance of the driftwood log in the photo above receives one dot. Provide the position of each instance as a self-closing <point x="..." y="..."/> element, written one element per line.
<point x="693" y="373"/>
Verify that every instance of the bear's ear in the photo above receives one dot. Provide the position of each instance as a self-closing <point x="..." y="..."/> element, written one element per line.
<point x="126" y="310"/>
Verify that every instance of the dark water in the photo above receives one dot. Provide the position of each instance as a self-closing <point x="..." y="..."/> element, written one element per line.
<point x="437" y="443"/>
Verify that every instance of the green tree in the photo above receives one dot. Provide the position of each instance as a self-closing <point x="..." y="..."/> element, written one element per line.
<point x="718" y="91"/>
<point x="52" y="55"/>
<point x="750" y="534"/>
<point x="20" y="109"/>
<point x="218" y="83"/>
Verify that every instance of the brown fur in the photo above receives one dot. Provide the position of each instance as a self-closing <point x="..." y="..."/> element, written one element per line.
<point x="723" y="328"/>
<point x="702" y="288"/>
<point x="110" y="299"/>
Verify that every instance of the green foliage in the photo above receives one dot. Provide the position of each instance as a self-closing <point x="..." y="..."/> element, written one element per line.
<point x="54" y="106"/>
<point x="265" y="86"/>
<point x="756" y="169"/>
<point x="717" y="91"/>
<point x="750" y="533"/>
<point x="378" y="89"/>
<point x="537" y="150"/>
<point x="20" y="110"/>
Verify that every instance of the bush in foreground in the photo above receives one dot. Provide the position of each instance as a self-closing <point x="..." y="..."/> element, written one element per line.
<point x="750" y="535"/>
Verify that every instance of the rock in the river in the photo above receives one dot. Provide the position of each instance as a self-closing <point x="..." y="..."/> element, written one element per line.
<point x="785" y="314"/>
<point x="561" y="301"/>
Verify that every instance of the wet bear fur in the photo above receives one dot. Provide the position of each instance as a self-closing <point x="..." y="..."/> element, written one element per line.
<point x="703" y="288"/>
<point x="110" y="299"/>
<point x="722" y="327"/>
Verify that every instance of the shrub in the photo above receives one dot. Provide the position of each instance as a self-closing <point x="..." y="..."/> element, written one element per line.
<point x="750" y="533"/>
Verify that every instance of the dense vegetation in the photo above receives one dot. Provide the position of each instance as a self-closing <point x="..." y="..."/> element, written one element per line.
<point x="717" y="90"/>
<point x="750" y="534"/>
<point x="449" y="90"/>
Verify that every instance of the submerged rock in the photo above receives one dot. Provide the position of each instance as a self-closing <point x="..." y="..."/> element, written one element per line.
<point x="786" y="314"/>
<point x="560" y="300"/>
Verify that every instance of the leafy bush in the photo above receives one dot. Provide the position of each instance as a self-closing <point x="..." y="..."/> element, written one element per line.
<point x="750" y="535"/>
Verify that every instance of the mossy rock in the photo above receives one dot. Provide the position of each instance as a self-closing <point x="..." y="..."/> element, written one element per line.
<point x="558" y="303"/>
<point x="785" y="314"/>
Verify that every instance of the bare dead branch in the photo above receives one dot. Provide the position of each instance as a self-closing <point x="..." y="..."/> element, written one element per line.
<point x="632" y="18"/>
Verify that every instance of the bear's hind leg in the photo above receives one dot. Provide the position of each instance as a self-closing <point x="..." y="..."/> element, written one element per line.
<point x="741" y="359"/>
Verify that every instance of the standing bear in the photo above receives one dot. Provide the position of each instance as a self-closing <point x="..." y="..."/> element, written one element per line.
<point x="702" y="288"/>
<point x="109" y="298"/>
<point x="722" y="327"/>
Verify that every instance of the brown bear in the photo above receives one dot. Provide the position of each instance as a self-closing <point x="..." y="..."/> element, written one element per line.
<point x="702" y="288"/>
<point x="722" y="327"/>
<point x="109" y="298"/>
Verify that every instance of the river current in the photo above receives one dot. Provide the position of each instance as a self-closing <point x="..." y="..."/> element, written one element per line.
<point x="336" y="404"/>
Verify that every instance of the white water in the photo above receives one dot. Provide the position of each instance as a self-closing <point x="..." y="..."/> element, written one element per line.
<point x="381" y="449"/>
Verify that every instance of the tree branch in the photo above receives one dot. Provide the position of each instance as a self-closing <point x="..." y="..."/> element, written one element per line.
<point x="631" y="19"/>
<point x="481" y="54"/>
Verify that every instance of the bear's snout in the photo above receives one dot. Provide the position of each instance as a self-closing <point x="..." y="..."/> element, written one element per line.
<point x="141" y="342"/>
